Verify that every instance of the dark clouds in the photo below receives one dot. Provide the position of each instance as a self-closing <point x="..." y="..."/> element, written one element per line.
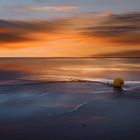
<point x="108" y="30"/>
<point x="32" y="26"/>
<point x="123" y="28"/>
<point x="11" y="37"/>
<point x="127" y="53"/>
<point x="19" y="31"/>
<point x="126" y="18"/>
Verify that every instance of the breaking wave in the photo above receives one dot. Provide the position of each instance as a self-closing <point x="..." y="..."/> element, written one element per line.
<point x="129" y="85"/>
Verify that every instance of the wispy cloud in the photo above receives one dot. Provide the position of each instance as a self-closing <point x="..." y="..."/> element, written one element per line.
<point x="124" y="28"/>
<point x="94" y="34"/>
<point x="13" y="37"/>
<point x="65" y="8"/>
<point x="12" y="31"/>
<point x="125" y="53"/>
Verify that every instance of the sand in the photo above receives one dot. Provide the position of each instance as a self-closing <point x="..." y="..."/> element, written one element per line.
<point x="85" y="114"/>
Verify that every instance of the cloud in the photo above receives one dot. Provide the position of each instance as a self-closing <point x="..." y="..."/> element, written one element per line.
<point x="11" y="37"/>
<point x="31" y="26"/>
<point x="13" y="31"/>
<point x="127" y="53"/>
<point x="119" y="29"/>
<point x="83" y="35"/>
<point x="124" y="28"/>
<point x="65" y="8"/>
<point x="109" y="30"/>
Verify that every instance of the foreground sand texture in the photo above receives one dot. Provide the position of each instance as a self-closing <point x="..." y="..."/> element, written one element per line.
<point x="66" y="111"/>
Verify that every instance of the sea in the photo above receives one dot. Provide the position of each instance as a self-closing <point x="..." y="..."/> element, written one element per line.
<point x="42" y="88"/>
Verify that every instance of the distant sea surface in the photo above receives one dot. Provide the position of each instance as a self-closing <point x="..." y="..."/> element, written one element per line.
<point x="69" y="69"/>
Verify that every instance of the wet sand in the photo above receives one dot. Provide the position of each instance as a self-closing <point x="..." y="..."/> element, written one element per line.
<point x="111" y="116"/>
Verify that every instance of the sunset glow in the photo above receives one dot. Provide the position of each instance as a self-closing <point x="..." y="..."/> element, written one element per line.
<point x="72" y="29"/>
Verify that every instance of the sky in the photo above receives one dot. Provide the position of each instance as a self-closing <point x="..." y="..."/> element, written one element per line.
<point x="69" y="28"/>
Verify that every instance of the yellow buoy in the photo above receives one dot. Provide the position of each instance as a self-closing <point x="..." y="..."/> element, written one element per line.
<point x="118" y="83"/>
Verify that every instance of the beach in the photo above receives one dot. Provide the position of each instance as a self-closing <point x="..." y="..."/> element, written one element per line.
<point x="69" y="69"/>
<point x="73" y="99"/>
<point x="84" y="112"/>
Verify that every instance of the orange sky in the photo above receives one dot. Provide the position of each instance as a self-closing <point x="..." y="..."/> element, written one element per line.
<point x="80" y="36"/>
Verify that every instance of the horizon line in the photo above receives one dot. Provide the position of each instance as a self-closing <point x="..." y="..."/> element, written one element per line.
<point x="72" y="57"/>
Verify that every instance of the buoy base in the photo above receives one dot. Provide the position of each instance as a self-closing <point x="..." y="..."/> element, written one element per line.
<point x="118" y="83"/>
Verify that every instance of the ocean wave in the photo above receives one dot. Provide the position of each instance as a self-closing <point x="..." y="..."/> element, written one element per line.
<point x="129" y="85"/>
